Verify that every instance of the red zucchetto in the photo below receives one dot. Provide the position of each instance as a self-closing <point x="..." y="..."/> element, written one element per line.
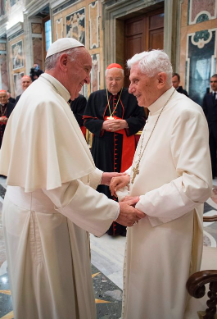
<point x="114" y="65"/>
<point x="3" y="91"/>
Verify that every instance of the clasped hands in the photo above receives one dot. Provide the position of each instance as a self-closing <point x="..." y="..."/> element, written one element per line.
<point x="3" y="119"/>
<point x="129" y="215"/>
<point x="114" y="125"/>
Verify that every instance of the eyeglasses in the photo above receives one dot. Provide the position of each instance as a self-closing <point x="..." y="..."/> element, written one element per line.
<point x="213" y="81"/>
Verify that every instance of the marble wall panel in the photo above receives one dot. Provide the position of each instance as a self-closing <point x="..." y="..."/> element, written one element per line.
<point x="75" y="25"/>
<point x="94" y="39"/>
<point x="36" y="28"/>
<point x="201" y="10"/>
<point x="200" y="62"/>
<point x="59" y="28"/>
<point x="37" y="45"/>
<point x="95" y="73"/>
<point x="3" y="47"/>
<point x="4" y="73"/>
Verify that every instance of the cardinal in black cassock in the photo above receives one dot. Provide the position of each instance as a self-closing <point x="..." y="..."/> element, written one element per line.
<point x="114" y="117"/>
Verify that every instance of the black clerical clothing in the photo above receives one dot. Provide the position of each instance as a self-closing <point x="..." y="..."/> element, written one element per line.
<point x="182" y="91"/>
<point x="210" y="110"/>
<point x="17" y="98"/>
<point x="109" y="149"/>
<point x="78" y="106"/>
<point x="5" y="110"/>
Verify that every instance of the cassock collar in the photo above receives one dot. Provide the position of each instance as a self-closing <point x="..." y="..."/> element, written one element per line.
<point x="57" y="86"/>
<point x="160" y="102"/>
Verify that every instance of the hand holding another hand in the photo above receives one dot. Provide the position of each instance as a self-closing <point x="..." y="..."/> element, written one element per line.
<point x="128" y="214"/>
<point x="118" y="182"/>
<point x="106" y="177"/>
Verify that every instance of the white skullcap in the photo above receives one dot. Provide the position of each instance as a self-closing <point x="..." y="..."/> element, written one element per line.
<point x="62" y="45"/>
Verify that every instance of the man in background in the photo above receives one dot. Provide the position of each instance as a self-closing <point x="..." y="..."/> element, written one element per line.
<point x="176" y="82"/>
<point x="113" y="116"/>
<point x="78" y="106"/>
<point x="35" y="72"/>
<point x="25" y="83"/>
<point x="210" y="110"/>
<point x="10" y="98"/>
<point x="6" y="108"/>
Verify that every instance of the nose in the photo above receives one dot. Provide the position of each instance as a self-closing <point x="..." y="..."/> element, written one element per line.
<point x="87" y="79"/>
<point x="131" y="89"/>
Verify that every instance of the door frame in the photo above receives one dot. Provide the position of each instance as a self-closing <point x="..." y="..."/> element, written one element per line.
<point x="114" y="15"/>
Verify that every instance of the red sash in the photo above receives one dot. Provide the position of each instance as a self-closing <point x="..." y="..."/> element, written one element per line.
<point x="83" y="130"/>
<point x="128" y="148"/>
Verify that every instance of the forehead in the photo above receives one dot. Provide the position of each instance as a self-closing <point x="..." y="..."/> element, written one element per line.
<point x="114" y="72"/>
<point x="175" y="78"/>
<point x="3" y="94"/>
<point x="214" y="78"/>
<point x="26" y="79"/>
<point x="136" y="72"/>
<point x="85" y="57"/>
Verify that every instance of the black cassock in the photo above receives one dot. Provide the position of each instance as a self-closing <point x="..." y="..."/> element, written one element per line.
<point x="78" y="106"/>
<point x="5" y="110"/>
<point x="107" y="147"/>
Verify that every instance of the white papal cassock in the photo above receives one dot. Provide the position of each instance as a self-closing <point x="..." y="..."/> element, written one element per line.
<point x="49" y="206"/>
<point x="174" y="179"/>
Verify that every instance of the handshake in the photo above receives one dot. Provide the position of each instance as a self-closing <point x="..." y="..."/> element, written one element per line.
<point x="128" y="215"/>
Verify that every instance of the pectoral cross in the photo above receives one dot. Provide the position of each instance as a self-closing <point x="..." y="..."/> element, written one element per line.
<point x="135" y="172"/>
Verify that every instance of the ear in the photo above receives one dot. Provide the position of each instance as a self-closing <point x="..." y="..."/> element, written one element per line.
<point x="161" y="80"/>
<point x="63" y="61"/>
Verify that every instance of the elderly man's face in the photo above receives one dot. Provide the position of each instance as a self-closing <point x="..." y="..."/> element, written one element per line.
<point x="213" y="83"/>
<point x="175" y="81"/>
<point x="3" y="97"/>
<point x="78" y="73"/>
<point x="114" y="80"/>
<point x="25" y="82"/>
<point x="142" y="87"/>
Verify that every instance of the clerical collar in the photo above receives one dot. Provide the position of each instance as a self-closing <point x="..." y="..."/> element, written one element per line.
<point x="117" y="93"/>
<point x="57" y="85"/>
<point x="158" y="104"/>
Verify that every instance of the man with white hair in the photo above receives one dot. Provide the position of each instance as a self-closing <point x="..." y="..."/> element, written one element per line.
<point x="114" y="117"/>
<point x="171" y="178"/>
<point x="51" y="201"/>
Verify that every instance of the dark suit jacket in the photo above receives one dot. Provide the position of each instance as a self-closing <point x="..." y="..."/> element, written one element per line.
<point x="210" y="110"/>
<point x="181" y="90"/>
<point x="78" y="107"/>
<point x="17" y="99"/>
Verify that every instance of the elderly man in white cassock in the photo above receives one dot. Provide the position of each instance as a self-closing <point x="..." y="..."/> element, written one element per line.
<point x="51" y="202"/>
<point x="171" y="178"/>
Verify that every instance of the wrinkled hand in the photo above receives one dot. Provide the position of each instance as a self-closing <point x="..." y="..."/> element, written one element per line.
<point x="128" y="214"/>
<point x="118" y="182"/>
<point x="3" y="119"/>
<point x="114" y="125"/>
<point x="106" y="177"/>
<point x="107" y="124"/>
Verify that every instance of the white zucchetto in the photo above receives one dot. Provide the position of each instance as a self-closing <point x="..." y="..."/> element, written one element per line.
<point x="62" y="45"/>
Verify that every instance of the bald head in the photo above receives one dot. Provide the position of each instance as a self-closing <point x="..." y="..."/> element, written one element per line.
<point x="3" y="97"/>
<point x="25" y="82"/>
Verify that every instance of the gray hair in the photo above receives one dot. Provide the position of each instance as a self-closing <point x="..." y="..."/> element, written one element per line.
<point x="51" y="61"/>
<point x="153" y="62"/>
<point x="106" y="71"/>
